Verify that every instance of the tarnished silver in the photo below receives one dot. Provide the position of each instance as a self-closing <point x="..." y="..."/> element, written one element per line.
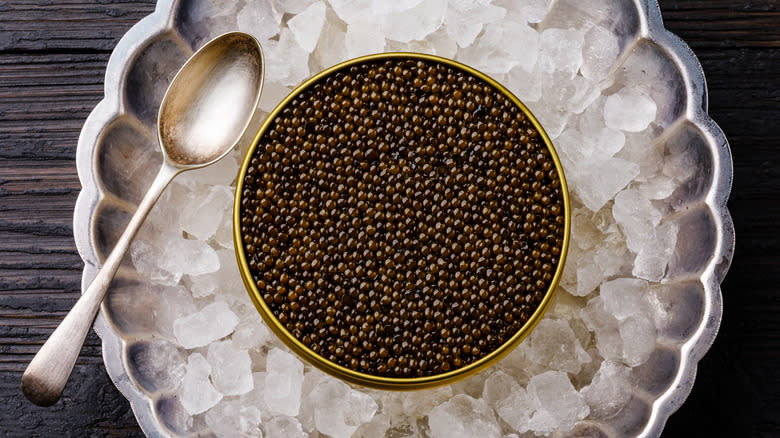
<point x="203" y="115"/>
<point x="140" y="69"/>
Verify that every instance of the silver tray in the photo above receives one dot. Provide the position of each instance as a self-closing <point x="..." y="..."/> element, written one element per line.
<point x="117" y="149"/>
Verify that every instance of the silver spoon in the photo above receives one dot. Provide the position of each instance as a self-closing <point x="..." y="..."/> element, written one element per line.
<point x="204" y="113"/>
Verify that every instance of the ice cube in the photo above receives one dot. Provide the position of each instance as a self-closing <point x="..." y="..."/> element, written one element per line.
<point x="605" y="326"/>
<point x="340" y="410"/>
<point x="256" y="397"/>
<point x="405" y="428"/>
<point x="213" y="322"/>
<point x="472" y="386"/>
<point x="609" y="141"/>
<point x="467" y="5"/>
<point x="156" y="365"/>
<point x="598" y="181"/>
<point x="610" y="390"/>
<point x="463" y="25"/>
<point x="527" y="11"/>
<point x="553" y="119"/>
<point x="287" y="61"/>
<point x="561" y="51"/>
<point x="527" y="86"/>
<point x="566" y="306"/>
<point x="419" y="403"/>
<point x="231" y="368"/>
<point x="167" y="258"/>
<point x="331" y="48"/>
<point x="414" y="23"/>
<point x="655" y="255"/>
<point x="600" y="50"/>
<point x="658" y="187"/>
<point x="517" y="365"/>
<point x="369" y="11"/>
<point x="174" y="302"/>
<point x="223" y="237"/>
<point x="492" y="54"/>
<point x="612" y="257"/>
<point x="363" y="39"/>
<point x="642" y="148"/>
<point x="204" y="214"/>
<point x="441" y="44"/>
<point x="165" y="213"/>
<point x="591" y="125"/>
<point x="252" y="333"/>
<point x="231" y="419"/>
<point x="273" y="93"/>
<point x="196" y="392"/>
<point x="291" y="6"/>
<point x="681" y="164"/>
<point x="460" y="29"/>
<point x="637" y="218"/>
<point x="558" y="405"/>
<point x="307" y="26"/>
<point x="534" y="10"/>
<point x="360" y="408"/>
<point x="200" y="10"/>
<point x="584" y="234"/>
<point x="311" y="379"/>
<point x="624" y="297"/>
<point x="638" y="334"/>
<point x="554" y="345"/>
<point x="376" y="428"/>
<point x="226" y="281"/>
<point x="517" y="409"/>
<point x="589" y="275"/>
<point x="463" y="417"/>
<point x="499" y="386"/>
<point x="284" y="427"/>
<point x="258" y="19"/>
<point x="629" y="110"/>
<point x="283" y="381"/>
<point x="222" y="173"/>
<point x="581" y="93"/>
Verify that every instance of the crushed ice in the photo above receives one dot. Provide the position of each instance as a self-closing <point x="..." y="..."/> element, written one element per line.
<point x="564" y="63"/>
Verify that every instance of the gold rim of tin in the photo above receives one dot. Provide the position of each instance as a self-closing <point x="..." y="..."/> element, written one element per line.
<point x="371" y="380"/>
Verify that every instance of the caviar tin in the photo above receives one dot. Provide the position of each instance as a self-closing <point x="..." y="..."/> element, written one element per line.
<point x="443" y="371"/>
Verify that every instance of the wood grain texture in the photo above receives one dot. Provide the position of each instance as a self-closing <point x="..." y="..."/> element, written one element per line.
<point x="67" y="26"/>
<point x="52" y="61"/>
<point x="737" y="389"/>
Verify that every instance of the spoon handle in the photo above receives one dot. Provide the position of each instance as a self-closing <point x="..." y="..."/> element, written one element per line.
<point x="45" y="377"/>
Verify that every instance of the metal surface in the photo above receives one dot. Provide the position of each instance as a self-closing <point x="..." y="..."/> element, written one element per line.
<point x="211" y="101"/>
<point x="134" y="84"/>
<point x="203" y="114"/>
<point x="369" y="379"/>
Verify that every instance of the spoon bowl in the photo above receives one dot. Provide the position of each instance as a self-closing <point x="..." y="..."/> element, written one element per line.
<point x="205" y="112"/>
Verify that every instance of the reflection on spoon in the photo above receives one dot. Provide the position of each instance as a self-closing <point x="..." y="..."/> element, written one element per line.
<point x="204" y="113"/>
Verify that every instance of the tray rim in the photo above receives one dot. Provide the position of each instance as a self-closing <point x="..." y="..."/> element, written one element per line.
<point x="651" y="29"/>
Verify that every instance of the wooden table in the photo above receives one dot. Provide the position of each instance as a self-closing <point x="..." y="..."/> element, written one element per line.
<point x="52" y="61"/>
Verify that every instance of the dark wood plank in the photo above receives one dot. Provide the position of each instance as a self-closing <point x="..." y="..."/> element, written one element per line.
<point x="52" y="61"/>
<point x="91" y="407"/>
<point x="44" y="100"/>
<point x="69" y="25"/>
<point x="724" y="23"/>
<point x="737" y="389"/>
